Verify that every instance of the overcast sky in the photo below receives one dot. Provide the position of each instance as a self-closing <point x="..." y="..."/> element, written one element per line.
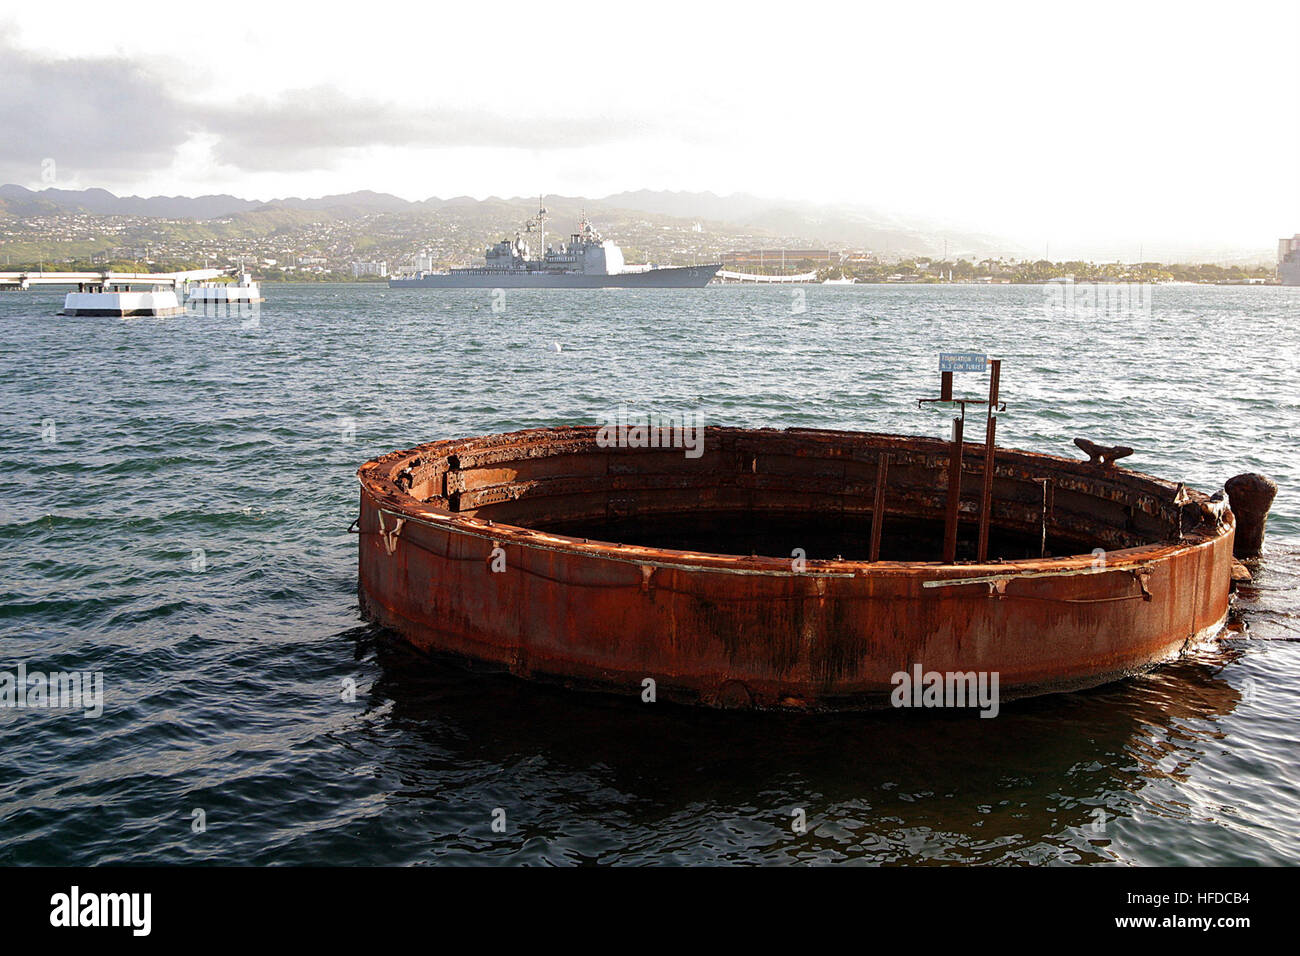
<point x="1125" y="123"/>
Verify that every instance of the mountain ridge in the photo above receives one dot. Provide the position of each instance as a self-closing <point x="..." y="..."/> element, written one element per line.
<point x="827" y="226"/>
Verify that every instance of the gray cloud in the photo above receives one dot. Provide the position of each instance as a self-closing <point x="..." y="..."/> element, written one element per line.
<point x="309" y="128"/>
<point x="97" y="116"/>
<point x="104" y="114"/>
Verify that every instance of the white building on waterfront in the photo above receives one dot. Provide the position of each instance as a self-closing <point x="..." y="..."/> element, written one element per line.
<point x="1288" y="260"/>
<point x="360" y="269"/>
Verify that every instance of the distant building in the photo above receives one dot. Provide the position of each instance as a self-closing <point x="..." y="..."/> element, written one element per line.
<point x="775" y="258"/>
<point x="360" y="269"/>
<point x="1288" y="260"/>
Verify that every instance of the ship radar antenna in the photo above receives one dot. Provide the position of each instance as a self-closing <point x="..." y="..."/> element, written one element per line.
<point x="541" y="220"/>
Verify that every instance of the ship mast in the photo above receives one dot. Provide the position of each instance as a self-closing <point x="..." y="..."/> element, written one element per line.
<point x="541" y="222"/>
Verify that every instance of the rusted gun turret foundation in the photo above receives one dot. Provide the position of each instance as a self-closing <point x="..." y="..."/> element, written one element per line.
<point x="786" y="570"/>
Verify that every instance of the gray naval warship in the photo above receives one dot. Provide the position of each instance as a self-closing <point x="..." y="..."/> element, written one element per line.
<point x="586" y="261"/>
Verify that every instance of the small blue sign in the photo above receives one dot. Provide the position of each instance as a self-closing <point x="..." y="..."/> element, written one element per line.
<point x="962" y="361"/>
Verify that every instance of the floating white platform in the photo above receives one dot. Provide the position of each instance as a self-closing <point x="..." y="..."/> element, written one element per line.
<point x="243" y="292"/>
<point x="122" y="303"/>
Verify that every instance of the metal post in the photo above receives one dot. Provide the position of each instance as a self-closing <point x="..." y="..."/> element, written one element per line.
<point x="878" y="509"/>
<point x="990" y="440"/>
<point x="1047" y="507"/>
<point x="954" y="492"/>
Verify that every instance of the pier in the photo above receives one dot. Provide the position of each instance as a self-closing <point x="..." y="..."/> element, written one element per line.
<point x="114" y="293"/>
<point x="105" y="281"/>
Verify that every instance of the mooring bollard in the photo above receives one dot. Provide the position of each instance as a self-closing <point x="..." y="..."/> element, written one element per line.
<point x="1250" y="495"/>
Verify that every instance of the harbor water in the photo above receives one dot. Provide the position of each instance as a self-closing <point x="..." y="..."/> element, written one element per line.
<point x="175" y="496"/>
